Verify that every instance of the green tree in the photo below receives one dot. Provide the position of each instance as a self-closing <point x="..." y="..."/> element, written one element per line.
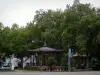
<point x="65" y="61"/>
<point x="50" y="22"/>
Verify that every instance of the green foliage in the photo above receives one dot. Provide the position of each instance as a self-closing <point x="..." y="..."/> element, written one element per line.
<point x="51" y="61"/>
<point x="95" y="64"/>
<point x="32" y="68"/>
<point x="64" y="62"/>
<point x="77" y="27"/>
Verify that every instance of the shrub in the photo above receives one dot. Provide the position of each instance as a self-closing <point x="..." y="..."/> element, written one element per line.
<point x="94" y="64"/>
<point x="32" y="68"/>
<point x="51" y="61"/>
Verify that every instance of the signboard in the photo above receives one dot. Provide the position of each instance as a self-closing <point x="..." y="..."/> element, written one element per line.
<point x="69" y="59"/>
<point x="69" y="53"/>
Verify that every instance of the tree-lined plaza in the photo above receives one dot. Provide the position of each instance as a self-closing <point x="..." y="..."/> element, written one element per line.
<point x="76" y="28"/>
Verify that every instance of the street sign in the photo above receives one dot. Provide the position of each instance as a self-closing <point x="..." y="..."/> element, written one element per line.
<point x="69" y="59"/>
<point x="69" y="53"/>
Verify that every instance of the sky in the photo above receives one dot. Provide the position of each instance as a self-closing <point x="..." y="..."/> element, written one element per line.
<point x="23" y="11"/>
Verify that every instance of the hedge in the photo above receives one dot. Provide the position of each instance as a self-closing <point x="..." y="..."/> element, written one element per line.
<point x="33" y="68"/>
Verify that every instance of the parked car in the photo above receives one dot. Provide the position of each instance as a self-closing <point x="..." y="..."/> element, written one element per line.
<point x="5" y="68"/>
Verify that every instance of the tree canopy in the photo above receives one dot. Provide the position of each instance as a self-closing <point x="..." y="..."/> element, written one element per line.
<point x="77" y="27"/>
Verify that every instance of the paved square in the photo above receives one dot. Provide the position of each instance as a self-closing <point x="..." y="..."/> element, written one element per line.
<point x="49" y="73"/>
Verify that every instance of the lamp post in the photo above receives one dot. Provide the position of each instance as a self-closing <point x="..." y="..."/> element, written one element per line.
<point x="69" y="59"/>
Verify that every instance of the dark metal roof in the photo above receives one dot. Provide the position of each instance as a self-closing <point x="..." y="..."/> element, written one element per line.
<point x="45" y="49"/>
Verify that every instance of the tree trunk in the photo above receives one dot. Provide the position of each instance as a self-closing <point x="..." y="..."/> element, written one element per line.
<point x="87" y="62"/>
<point x="21" y="62"/>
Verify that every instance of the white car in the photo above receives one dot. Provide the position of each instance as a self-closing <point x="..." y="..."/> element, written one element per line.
<point x="5" y="68"/>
